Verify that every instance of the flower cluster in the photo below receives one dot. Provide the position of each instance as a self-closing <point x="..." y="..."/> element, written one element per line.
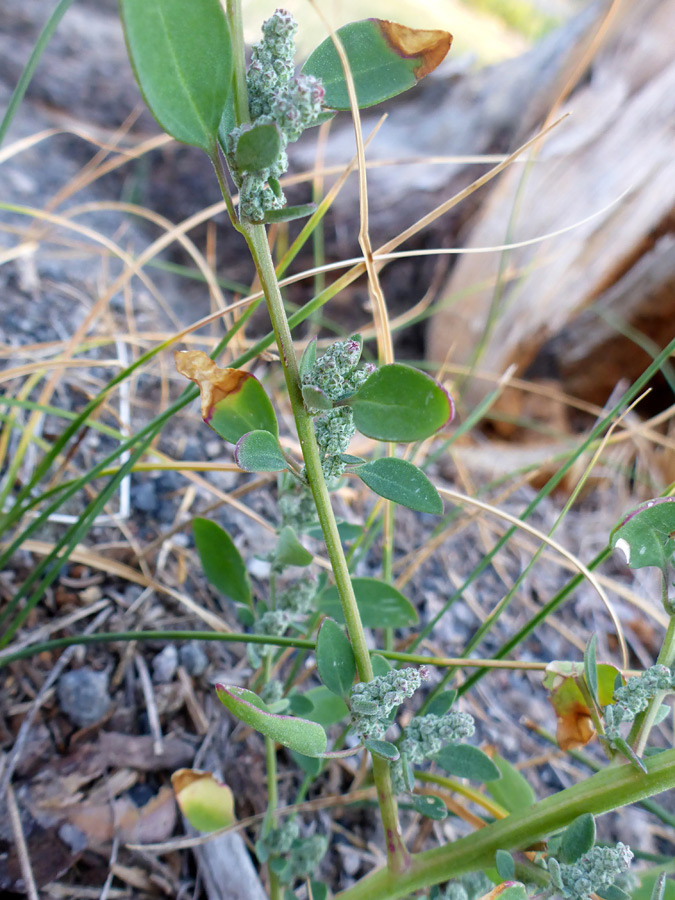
<point x="276" y="96"/>
<point x="633" y="698"/>
<point x="595" y="870"/>
<point x="337" y="375"/>
<point x="303" y="855"/>
<point x="292" y="604"/>
<point x="372" y="701"/>
<point x="426" y="735"/>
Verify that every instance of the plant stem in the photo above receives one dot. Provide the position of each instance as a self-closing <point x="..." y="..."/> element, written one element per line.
<point x="644" y="721"/>
<point x="256" y="237"/>
<point x="615" y="786"/>
<point x="272" y="792"/>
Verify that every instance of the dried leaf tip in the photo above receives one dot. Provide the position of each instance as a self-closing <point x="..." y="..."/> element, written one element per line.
<point x="214" y="383"/>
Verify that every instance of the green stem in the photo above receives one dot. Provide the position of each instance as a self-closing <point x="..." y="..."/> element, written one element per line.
<point x="241" y="111"/>
<point x="272" y="792"/>
<point x="644" y="721"/>
<point x="256" y="237"/>
<point x="614" y="787"/>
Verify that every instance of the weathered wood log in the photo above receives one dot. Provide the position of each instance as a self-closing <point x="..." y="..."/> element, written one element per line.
<point x="578" y="306"/>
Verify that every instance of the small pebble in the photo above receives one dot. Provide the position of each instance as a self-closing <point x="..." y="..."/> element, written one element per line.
<point x="193" y="659"/>
<point x="164" y="665"/>
<point x="259" y="568"/>
<point x="144" y="497"/>
<point x="83" y="696"/>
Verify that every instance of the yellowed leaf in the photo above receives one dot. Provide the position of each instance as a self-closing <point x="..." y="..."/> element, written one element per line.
<point x="204" y="801"/>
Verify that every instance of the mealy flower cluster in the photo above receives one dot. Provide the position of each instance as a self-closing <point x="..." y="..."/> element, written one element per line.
<point x="336" y="374"/>
<point x="634" y="697"/>
<point x="291" y="605"/>
<point x="426" y="735"/>
<point x="371" y="702"/>
<point x="595" y="870"/>
<point x="302" y="855"/>
<point x="276" y="96"/>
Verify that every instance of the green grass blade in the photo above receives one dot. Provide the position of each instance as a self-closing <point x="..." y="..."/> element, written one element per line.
<point x="31" y="65"/>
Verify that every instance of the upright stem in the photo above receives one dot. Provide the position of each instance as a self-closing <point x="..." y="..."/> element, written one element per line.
<point x="256" y="237"/>
<point x="644" y="722"/>
<point x="272" y="792"/>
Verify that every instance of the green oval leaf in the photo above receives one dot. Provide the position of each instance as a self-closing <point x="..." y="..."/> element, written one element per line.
<point x="223" y="565"/>
<point x="646" y="536"/>
<point x="181" y="55"/>
<point x="315" y="398"/>
<point x="512" y="790"/>
<point x="308" y="358"/>
<point x="327" y="708"/>
<point x="289" y="213"/>
<point x="385" y="59"/>
<point x="578" y="838"/>
<point x="335" y="658"/>
<point x="259" y="451"/>
<point x="380" y="604"/>
<point x="429" y="806"/>
<point x="467" y="761"/>
<point x="289" y="551"/>
<point x="302" y="735"/>
<point x="506" y="867"/>
<point x="258" y="148"/>
<point x="441" y="703"/>
<point x="399" y="403"/>
<point x="384" y="749"/>
<point x="591" y="668"/>
<point x="402" y="482"/>
<point x="233" y="402"/>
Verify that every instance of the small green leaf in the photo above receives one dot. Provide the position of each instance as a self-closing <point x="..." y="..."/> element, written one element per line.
<point x="335" y="658"/>
<point x="181" y="55"/>
<point x="467" y="761"/>
<point x="308" y="358"/>
<point x="259" y="451"/>
<point x="315" y="398"/>
<point x="441" y="703"/>
<point x="429" y="806"/>
<point x="401" y="481"/>
<point x="578" y="838"/>
<point x="310" y="765"/>
<point x="289" y="213"/>
<point x="591" y="668"/>
<point x="327" y="708"/>
<point x="384" y="749"/>
<point x="301" y="705"/>
<point x="233" y="402"/>
<point x="408" y="773"/>
<point x="258" y="148"/>
<point x="385" y="59"/>
<point x="350" y="460"/>
<point x="301" y="735"/>
<point x="509" y="891"/>
<point x="205" y="802"/>
<point x="380" y="665"/>
<point x="661" y="713"/>
<point x="223" y="565"/>
<point x="505" y="865"/>
<point x="318" y="890"/>
<point x="289" y="551"/>
<point x="612" y="892"/>
<point x="624" y="747"/>
<point x="399" y="403"/>
<point x="379" y="603"/>
<point x="646" y="536"/>
<point x="512" y="790"/>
